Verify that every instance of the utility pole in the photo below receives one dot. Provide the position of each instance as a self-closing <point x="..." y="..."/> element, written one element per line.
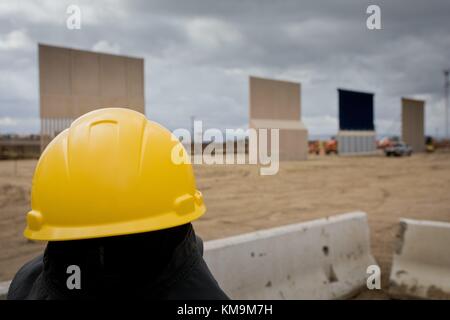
<point x="446" y="86"/>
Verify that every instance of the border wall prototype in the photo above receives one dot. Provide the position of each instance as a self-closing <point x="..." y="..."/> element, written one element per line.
<point x="421" y="262"/>
<point x="356" y="135"/>
<point x="73" y="82"/>
<point x="319" y="259"/>
<point x="413" y="123"/>
<point x="276" y="104"/>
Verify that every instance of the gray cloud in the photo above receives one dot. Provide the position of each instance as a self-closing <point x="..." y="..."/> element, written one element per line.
<point x="199" y="54"/>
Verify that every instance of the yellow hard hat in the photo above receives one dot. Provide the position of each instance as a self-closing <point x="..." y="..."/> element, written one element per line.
<point x="111" y="173"/>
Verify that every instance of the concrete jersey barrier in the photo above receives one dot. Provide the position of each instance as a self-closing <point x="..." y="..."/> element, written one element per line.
<point x="421" y="261"/>
<point x="4" y="286"/>
<point x="319" y="259"/>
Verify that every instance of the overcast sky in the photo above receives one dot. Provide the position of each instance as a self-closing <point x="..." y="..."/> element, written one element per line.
<point x="199" y="54"/>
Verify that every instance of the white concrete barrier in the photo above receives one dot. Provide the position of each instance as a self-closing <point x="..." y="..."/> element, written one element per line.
<point x="319" y="259"/>
<point x="4" y="286"/>
<point x="421" y="262"/>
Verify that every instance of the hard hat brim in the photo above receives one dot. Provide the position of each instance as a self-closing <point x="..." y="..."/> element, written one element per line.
<point x="152" y="223"/>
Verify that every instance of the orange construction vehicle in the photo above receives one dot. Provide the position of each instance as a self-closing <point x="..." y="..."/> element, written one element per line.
<point x="314" y="147"/>
<point x="331" y="146"/>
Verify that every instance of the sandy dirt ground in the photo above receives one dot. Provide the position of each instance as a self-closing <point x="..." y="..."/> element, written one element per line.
<point x="240" y="200"/>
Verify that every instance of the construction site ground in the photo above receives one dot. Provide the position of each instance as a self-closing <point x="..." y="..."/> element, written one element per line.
<point x="240" y="200"/>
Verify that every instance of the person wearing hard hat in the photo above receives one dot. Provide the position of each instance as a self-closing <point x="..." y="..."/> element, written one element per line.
<point x="116" y="211"/>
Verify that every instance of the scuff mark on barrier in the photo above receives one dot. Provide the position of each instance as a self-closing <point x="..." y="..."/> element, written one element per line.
<point x="400" y="272"/>
<point x="434" y="292"/>
<point x="331" y="275"/>
<point x="400" y="237"/>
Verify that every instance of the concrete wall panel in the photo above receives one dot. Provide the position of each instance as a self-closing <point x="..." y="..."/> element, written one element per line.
<point x="293" y="145"/>
<point x="85" y="74"/>
<point x="73" y="82"/>
<point x="135" y="78"/>
<point x="274" y="99"/>
<point x="113" y="80"/>
<point x="276" y="104"/>
<point x="413" y="123"/>
<point x="55" y="70"/>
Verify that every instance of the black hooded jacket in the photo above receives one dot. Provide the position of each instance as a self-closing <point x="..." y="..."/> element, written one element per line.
<point x="165" y="264"/>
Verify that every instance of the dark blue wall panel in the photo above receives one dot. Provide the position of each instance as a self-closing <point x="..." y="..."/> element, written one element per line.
<point x="355" y="110"/>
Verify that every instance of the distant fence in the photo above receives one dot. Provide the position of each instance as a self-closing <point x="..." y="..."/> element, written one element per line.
<point x="20" y="148"/>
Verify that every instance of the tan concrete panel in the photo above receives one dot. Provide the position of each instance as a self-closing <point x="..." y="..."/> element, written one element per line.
<point x="113" y="102"/>
<point x="135" y="77"/>
<point x="293" y="145"/>
<point x="279" y="124"/>
<point x="85" y="73"/>
<point x="274" y="99"/>
<point x="413" y="123"/>
<point x="276" y="104"/>
<point x="54" y="70"/>
<point x="84" y="104"/>
<point x="57" y="106"/>
<point x="137" y="104"/>
<point x="112" y="76"/>
<point x="73" y="82"/>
